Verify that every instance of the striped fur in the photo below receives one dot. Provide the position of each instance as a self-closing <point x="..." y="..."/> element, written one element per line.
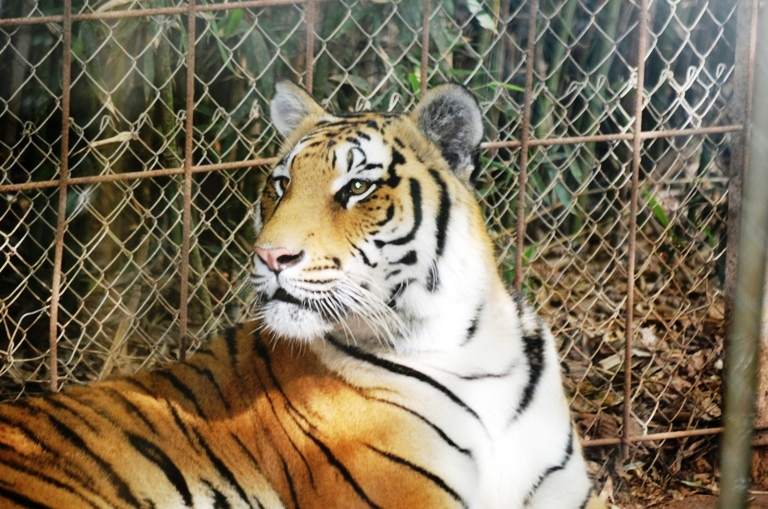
<point x="388" y="366"/>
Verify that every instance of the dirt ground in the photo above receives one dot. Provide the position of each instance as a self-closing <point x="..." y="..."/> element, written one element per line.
<point x="710" y="502"/>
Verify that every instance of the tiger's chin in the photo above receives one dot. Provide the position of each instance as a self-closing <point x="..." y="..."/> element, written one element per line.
<point x="290" y="321"/>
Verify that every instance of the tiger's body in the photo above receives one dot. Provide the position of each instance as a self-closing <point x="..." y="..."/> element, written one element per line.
<point x="388" y="365"/>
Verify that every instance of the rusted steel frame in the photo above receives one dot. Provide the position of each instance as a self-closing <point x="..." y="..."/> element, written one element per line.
<point x="115" y="177"/>
<point x="61" y="223"/>
<point x="309" y="63"/>
<point x="140" y="13"/>
<point x="742" y="347"/>
<point x="522" y="181"/>
<point x="425" y="10"/>
<point x="645" y="135"/>
<point x="186" y="220"/>
<point x="637" y="145"/>
<point x="601" y="442"/>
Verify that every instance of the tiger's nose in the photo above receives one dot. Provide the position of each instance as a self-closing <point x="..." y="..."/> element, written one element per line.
<point x="278" y="259"/>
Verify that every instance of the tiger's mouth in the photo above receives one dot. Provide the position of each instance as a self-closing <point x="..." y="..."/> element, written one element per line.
<point x="314" y="306"/>
<point x="282" y="295"/>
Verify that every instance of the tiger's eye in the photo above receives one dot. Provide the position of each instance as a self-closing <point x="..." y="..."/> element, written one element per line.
<point x="358" y="187"/>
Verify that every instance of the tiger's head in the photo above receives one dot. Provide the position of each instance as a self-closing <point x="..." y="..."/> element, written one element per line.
<point x="367" y="226"/>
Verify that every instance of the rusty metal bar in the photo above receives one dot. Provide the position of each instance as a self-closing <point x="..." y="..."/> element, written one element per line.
<point x="140" y="13"/>
<point x="115" y="177"/>
<point x="743" y="342"/>
<point x="645" y="135"/>
<point x="310" y="55"/>
<point x="61" y="224"/>
<point x="573" y="140"/>
<point x="188" y="151"/>
<point x="642" y="42"/>
<point x="525" y="143"/>
<point x="425" y="10"/>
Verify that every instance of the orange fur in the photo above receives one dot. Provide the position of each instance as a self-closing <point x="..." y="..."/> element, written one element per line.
<point x="291" y="424"/>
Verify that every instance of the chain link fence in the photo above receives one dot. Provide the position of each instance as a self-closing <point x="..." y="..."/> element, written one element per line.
<point x="134" y="134"/>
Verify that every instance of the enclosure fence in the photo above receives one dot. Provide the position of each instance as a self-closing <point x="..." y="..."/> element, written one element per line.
<point x="133" y="136"/>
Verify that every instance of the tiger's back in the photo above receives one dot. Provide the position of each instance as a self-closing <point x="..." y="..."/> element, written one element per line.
<point x="245" y="423"/>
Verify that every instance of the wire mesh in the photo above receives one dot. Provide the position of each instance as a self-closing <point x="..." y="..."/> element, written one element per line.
<point x="605" y="175"/>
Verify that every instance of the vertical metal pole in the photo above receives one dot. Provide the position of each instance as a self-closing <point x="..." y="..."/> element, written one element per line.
<point x="522" y="181"/>
<point x="61" y="224"/>
<point x="310" y="56"/>
<point x="746" y="18"/>
<point x="188" y="150"/>
<point x="637" y="145"/>
<point x="426" y="8"/>
<point x="742" y="348"/>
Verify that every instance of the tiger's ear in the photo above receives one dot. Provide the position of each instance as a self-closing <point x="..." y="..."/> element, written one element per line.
<point x="290" y="106"/>
<point x="450" y="117"/>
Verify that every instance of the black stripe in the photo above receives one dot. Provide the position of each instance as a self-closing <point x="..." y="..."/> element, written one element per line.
<point x="429" y="423"/>
<point x="183" y="389"/>
<point x="520" y="303"/>
<point x="180" y="424"/>
<point x="342" y="470"/>
<point x="422" y="471"/>
<point x="554" y="468"/>
<point x="402" y="370"/>
<point x="388" y="218"/>
<point x="43" y="477"/>
<point x="444" y="211"/>
<point x="291" y="487"/>
<point x="362" y="135"/>
<point x="254" y="462"/>
<point x="472" y="330"/>
<point x="262" y="352"/>
<point x="433" y="278"/>
<point x="417" y="216"/>
<point x="230" y="337"/>
<point x="393" y="180"/>
<point x="56" y="402"/>
<point x="365" y="258"/>
<point x="138" y="385"/>
<point x="21" y="500"/>
<point x="156" y="455"/>
<point x="219" y="500"/>
<point x="396" y="292"/>
<point x="130" y="408"/>
<point x="393" y="273"/>
<point x="206" y="373"/>
<point x="221" y="468"/>
<point x="123" y="490"/>
<point x="77" y="474"/>
<point x="586" y="499"/>
<point x="533" y="348"/>
<point x="410" y="258"/>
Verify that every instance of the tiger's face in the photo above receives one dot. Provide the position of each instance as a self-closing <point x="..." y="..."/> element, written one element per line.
<point x="355" y="217"/>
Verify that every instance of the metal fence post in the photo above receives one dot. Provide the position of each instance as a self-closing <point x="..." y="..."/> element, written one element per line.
<point x="744" y="338"/>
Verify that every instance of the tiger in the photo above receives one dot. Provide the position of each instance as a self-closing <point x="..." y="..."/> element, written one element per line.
<point x="386" y="365"/>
